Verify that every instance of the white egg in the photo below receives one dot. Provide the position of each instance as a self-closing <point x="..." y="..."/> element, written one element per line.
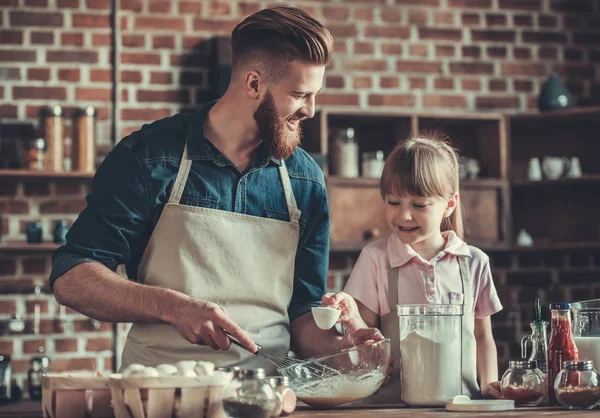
<point x="187" y="373"/>
<point x="166" y="370"/>
<point x="204" y="368"/>
<point x="133" y="369"/>
<point x="150" y="372"/>
<point x="184" y="365"/>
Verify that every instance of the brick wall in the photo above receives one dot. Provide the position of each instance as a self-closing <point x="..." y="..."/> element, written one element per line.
<point x="391" y="54"/>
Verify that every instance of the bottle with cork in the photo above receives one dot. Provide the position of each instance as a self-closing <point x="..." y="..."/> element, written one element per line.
<point x="83" y="148"/>
<point x="51" y="130"/>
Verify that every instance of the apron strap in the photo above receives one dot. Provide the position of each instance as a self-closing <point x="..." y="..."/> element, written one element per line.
<point x="182" y="176"/>
<point x="393" y="289"/>
<point x="467" y="284"/>
<point x="290" y="200"/>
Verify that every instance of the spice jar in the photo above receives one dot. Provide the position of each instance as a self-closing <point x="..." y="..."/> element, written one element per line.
<point x="577" y="385"/>
<point x="372" y="164"/>
<point x="249" y="395"/>
<point x="83" y="146"/>
<point x="344" y="154"/>
<point x="524" y="383"/>
<point x="286" y="397"/>
<point x="34" y="157"/>
<point x="51" y="129"/>
<point x="39" y="366"/>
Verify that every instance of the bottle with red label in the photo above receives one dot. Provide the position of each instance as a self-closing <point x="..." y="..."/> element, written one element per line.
<point x="561" y="347"/>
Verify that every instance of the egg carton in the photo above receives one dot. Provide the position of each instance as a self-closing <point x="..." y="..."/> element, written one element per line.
<point x="76" y="396"/>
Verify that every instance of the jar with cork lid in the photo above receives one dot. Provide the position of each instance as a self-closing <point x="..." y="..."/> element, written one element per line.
<point x="51" y="130"/>
<point x="83" y="147"/>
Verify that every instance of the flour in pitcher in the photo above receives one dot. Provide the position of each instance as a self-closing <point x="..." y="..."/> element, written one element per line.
<point x="431" y="368"/>
<point x="340" y="389"/>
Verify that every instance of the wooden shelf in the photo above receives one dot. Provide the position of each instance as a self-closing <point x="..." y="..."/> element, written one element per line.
<point x="587" y="178"/>
<point x="44" y="175"/>
<point x="25" y="247"/>
<point x="557" y="115"/>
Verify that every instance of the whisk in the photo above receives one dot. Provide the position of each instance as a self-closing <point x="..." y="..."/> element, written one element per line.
<point x="291" y="367"/>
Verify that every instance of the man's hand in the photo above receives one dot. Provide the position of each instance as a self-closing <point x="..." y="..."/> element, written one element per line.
<point x="492" y="390"/>
<point x="202" y="322"/>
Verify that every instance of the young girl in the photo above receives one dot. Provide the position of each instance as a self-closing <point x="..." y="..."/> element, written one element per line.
<point x="424" y="261"/>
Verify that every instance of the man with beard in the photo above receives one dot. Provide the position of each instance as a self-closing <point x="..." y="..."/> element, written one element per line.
<point x="221" y="221"/>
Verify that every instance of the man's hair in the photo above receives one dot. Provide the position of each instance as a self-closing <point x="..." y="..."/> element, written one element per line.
<point x="275" y="37"/>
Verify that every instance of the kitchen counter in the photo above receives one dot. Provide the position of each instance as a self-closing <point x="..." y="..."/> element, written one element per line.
<point x="29" y="409"/>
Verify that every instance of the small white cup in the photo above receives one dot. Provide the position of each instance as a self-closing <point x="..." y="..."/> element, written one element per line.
<point x="575" y="169"/>
<point x="535" y="169"/>
<point x="325" y="317"/>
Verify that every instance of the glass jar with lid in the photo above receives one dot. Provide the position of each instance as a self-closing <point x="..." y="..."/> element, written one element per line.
<point x="249" y="395"/>
<point x="344" y="154"/>
<point x="83" y="147"/>
<point x="524" y="383"/>
<point x="577" y="385"/>
<point x="372" y="164"/>
<point x="286" y="397"/>
<point x="52" y="130"/>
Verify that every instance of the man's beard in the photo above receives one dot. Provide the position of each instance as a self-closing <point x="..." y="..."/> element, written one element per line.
<point x="279" y="140"/>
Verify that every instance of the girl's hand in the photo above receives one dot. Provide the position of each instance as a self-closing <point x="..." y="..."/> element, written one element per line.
<point x="346" y="304"/>
<point x="492" y="390"/>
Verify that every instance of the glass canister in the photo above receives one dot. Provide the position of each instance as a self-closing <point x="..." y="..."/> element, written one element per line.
<point x="539" y="345"/>
<point x="524" y="383"/>
<point x="249" y="395"/>
<point x="83" y="153"/>
<point x="430" y="337"/>
<point x="586" y="329"/>
<point x="372" y="164"/>
<point x="52" y="129"/>
<point x="344" y="154"/>
<point x="577" y="385"/>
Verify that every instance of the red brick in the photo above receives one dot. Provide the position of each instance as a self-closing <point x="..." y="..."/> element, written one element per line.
<point x="39" y="74"/>
<point x="496" y="52"/>
<point x="18" y="18"/>
<point x="67" y="345"/>
<point x="364" y="14"/>
<point x="497" y="85"/>
<point x="421" y="3"/>
<point x="342" y="30"/>
<point x="131" y="76"/>
<point x="344" y="99"/>
<point x="36" y="3"/>
<point x="84" y="57"/>
<point x="444" y="101"/>
<point x="522" y="53"/>
<point x="493" y="102"/>
<point x="6" y="347"/>
<point x="141" y="58"/>
<point x="334" y="82"/>
<point x="440" y="34"/>
<point x="574" y="70"/>
<point x="547" y="53"/>
<point x="63" y="206"/>
<point x="443" y="84"/>
<point x="33" y="346"/>
<point x="67" y="4"/>
<point x="512" y="69"/>
<point x="41" y="38"/>
<point x="85" y="20"/>
<point x="532" y="5"/>
<point x="399" y="32"/>
<point x="20" y="366"/>
<point x="124" y="96"/>
<point x="335" y="13"/>
<point x="71" y="39"/>
<point x="12" y="37"/>
<point x="391" y="49"/>
<point x="389" y="82"/>
<point x="160" y="23"/>
<point x="133" y="41"/>
<point x="402" y="100"/>
<point x="98" y="344"/>
<point x="444" y="18"/>
<point x="192" y="7"/>
<point x="365" y="65"/>
<point x="471" y="68"/>
<point x="164" y="96"/>
<point x="8" y="307"/>
<point x="545" y="21"/>
<point x="161" y="78"/>
<point x="523" y="20"/>
<point x="218" y="26"/>
<point x="362" y="82"/>
<point x="98" y="4"/>
<point x="17" y="55"/>
<point x="493" y="19"/>
<point x="35" y="265"/>
<point x="108" y="364"/>
<point x="493" y="36"/>
<point x="52" y="93"/>
<point x="68" y="74"/>
<point x="478" y="4"/>
<point x="543" y="37"/>
<point x="418" y="50"/>
<point x="101" y="39"/>
<point x="523" y="86"/>
<point x="8" y="111"/>
<point x="133" y="5"/>
<point x="100" y="76"/>
<point x="43" y="304"/>
<point x="418" y="67"/>
<point x="573" y="22"/>
<point x="93" y="94"/>
<point x="471" y="52"/>
<point x="144" y="114"/>
<point x="445" y="51"/>
<point x="216" y="8"/>
<point x="159" y="6"/>
<point x="165" y="41"/>
<point x="418" y="17"/>
<point x="470" y="19"/>
<point x="62" y="189"/>
<point x="340" y="46"/>
<point x="36" y="189"/>
<point x="363" y="47"/>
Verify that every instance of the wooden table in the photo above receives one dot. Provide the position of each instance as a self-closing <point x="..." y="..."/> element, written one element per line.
<point x="29" y="409"/>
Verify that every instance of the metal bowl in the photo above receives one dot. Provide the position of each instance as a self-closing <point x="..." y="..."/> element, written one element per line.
<point x="354" y="373"/>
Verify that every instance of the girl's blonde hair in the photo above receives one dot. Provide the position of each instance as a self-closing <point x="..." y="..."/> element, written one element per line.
<point x="425" y="166"/>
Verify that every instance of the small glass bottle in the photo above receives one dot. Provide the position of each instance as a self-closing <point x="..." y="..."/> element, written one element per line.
<point x="372" y="164"/>
<point x="524" y="383"/>
<point x="286" y="397"/>
<point x="51" y="129"/>
<point x="249" y="395"/>
<point x="344" y="154"/>
<point x="577" y="386"/>
<point x="539" y="345"/>
<point x="561" y="347"/>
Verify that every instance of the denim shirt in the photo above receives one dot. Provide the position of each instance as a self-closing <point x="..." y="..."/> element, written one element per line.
<point x="132" y="186"/>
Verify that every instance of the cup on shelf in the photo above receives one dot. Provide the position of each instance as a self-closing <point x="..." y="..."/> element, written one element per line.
<point x="534" y="172"/>
<point x="524" y="239"/>
<point x="575" y="169"/>
<point x="555" y="167"/>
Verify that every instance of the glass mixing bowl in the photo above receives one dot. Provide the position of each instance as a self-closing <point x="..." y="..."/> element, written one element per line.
<point x="350" y="375"/>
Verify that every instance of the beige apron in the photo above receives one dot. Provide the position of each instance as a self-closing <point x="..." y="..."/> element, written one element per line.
<point x="243" y="263"/>
<point x="390" y="328"/>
